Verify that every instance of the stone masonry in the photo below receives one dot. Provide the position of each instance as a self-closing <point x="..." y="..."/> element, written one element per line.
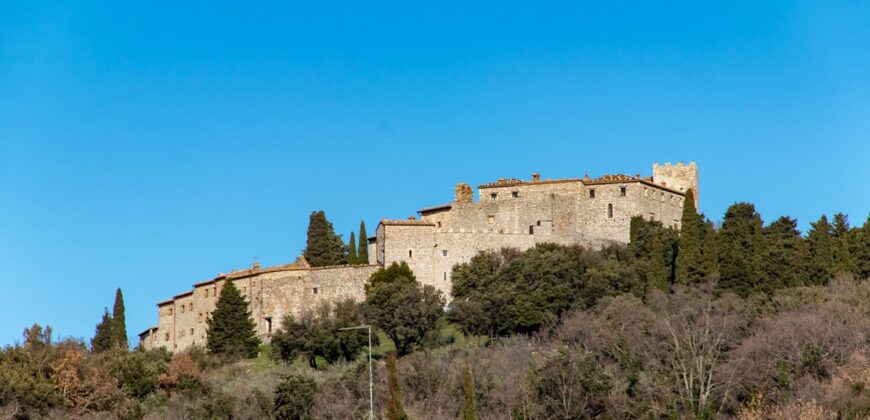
<point x="508" y="213"/>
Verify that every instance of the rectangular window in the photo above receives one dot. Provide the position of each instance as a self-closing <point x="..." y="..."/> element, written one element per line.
<point x="531" y="229"/>
<point x="191" y="332"/>
<point x="439" y="224"/>
<point x="314" y="290"/>
<point x="622" y="191"/>
<point x="610" y="210"/>
<point x="268" y="325"/>
<point x="443" y="252"/>
<point x="410" y="253"/>
<point x="167" y="337"/>
<point x="591" y="193"/>
<point x="490" y="219"/>
<point x="493" y="197"/>
<point x="515" y="194"/>
<point x="445" y="276"/>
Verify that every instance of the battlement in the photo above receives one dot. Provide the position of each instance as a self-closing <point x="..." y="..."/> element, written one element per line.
<point x="679" y="176"/>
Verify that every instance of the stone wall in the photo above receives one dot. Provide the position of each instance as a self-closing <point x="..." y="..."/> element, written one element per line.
<point x="272" y="293"/>
<point x="679" y="177"/>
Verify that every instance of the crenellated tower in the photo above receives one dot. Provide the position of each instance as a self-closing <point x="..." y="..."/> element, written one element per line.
<point x="678" y="177"/>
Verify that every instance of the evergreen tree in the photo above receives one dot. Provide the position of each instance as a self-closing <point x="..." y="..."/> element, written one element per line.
<point x="395" y="411"/>
<point x="739" y="243"/>
<point x="781" y="257"/>
<point x="231" y="331"/>
<point x="709" y="252"/>
<point x="469" y="411"/>
<point x="843" y="260"/>
<point x="352" y="257"/>
<point x="821" y="253"/>
<point x="405" y="310"/>
<point x="323" y="247"/>
<point x="363" y="249"/>
<point x="102" y="340"/>
<point x="690" y="266"/>
<point x="862" y="247"/>
<point x="655" y="248"/>
<point x="119" y="325"/>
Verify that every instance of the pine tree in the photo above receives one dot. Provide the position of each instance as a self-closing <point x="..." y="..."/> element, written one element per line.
<point x="323" y="247"/>
<point x="739" y="243"/>
<point x="231" y="331"/>
<point x="352" y="257"/>
<point x="102" y="340"/>
<point x="843" y="260"/>
<point x="469" y="411"/>
<point x="821" y="252"/>
<point x="690" y="266"/>
<point x="119" y="325"/>
<point x="395" y="411"/>
<point x="363" y="249"/>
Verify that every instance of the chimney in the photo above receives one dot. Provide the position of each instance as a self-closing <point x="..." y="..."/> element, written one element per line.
<point x="536" y="177"/>
<point x="256" y="265"/>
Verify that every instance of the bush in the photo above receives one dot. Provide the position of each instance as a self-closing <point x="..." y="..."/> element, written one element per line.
<point x="294" y="397"/>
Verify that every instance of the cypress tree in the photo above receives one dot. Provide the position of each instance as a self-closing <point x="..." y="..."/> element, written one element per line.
<point x="102" y="340"/>
<point x="352" y="258"/>
<point x="690" y="266"/>
<point x="231" y="331"/>
<point x="709" y="252"/>
<point x="363" y="249"/>
<point x="395" y="411"/>
<point x="469" y="411"/>
<point x="863" y="249"/>
<point x="821" y="253"/>
<point x="739" y="243"/>
<point x="843" y="260"/>
<point x="323" y="247"/>
<point x="119" y="325"/>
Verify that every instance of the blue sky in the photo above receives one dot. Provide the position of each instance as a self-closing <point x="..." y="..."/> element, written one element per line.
<point x="148" y="146"/>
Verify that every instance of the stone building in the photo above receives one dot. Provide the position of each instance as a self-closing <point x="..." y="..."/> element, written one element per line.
<point x="508" y="213"/>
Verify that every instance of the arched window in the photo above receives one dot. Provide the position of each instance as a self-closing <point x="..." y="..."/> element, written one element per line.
<point x="610" y="210"/>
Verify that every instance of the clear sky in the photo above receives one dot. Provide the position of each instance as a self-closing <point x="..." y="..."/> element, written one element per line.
<point x="152" y="145"/>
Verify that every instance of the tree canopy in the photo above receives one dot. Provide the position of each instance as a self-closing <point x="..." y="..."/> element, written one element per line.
<point x="231" y="331"/>
<point x="323" y="246"/>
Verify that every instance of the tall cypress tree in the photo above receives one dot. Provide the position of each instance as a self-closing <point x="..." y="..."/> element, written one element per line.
<point x="710" y="252"/>
<point x="102" y="340"/>
<point x="739" y="243"/>
<point x="231" y="331"/>
<point x="821" y="252"/>
<point x="690" y="267"/>
<point x="363" y="249"/>
<point x="862" y="252"/>
<point x="469" y="411"/>
<point x="395" y="411"/>
<point x="352" y="258"/>
<point x="323" y="247"/>
<point x="119" y="324"/>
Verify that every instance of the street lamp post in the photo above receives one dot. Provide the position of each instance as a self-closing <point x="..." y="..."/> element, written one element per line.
<point x="371" y="391"/>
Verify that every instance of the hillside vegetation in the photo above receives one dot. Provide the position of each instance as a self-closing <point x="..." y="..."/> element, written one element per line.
<point x="742" y="320"/>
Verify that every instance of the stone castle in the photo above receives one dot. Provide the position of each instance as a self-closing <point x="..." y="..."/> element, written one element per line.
<point x="508" y="213"/>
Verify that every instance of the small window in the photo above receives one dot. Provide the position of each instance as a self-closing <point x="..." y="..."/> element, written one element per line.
<point x="622" y="191"/>
<point x="531" y="229"/>
<point x="439" y="224"/>
<point x="314" y="291"/>
<point x="191" y="332"/>
<point x="443" y="252"/>
<point x="493" y="197"/>
<point x="610" y="210"/>
<point x="490" y="219"/>
<point x="515" y="194"/>
<point x="269" y="325"/>
<point x="167" y="337"/>
<point x="410" y="253"/>
<point x="170" y="311"/>
<point x="445" y="276"/>
<point x="182" y="308"/>
<point x="591" y="193"/>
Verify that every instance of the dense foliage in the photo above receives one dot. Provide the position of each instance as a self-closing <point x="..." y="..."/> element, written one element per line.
<point x="316" y="334"/>
<point x="323" y="246"/>
<point x="294" y="398"/>
<point x="231" y="330"/>
<point x="119" y="323"/>
<point x="402" y="308"/>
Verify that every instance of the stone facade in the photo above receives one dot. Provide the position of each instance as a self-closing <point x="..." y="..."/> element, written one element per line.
<point x="509" y="213"/>
<point x="271" y="293"/>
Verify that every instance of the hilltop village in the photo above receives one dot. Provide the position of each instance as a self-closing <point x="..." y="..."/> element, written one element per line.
<point x="513" y="213"/>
